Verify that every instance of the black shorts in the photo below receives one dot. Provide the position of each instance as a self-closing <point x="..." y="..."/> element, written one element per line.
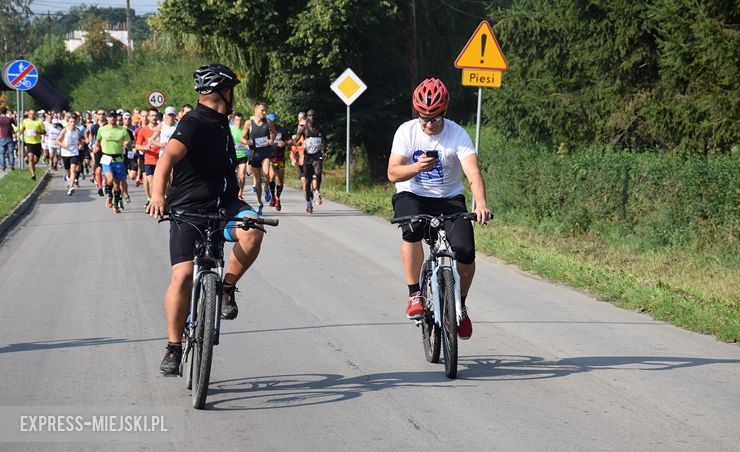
<point x="183" y="236"/>
<point x="34" y="149"/>
<point x="132" y="163"/>
<point x="68" y="161"/>
<point x="256" y="158"/>
<point x="242" y="160"/>
<point x="459" y="233"/>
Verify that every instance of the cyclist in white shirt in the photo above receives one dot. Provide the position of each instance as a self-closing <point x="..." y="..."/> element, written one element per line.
<point x="428" y="157"/>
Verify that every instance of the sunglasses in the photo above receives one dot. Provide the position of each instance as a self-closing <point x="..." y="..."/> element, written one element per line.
<point x="424" y="121"/>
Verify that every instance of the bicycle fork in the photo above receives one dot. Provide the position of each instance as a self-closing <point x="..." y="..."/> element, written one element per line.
<point x="436" y="295"/>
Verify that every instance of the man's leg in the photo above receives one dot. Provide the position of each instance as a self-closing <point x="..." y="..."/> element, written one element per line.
<point x="412" y="258"/>
<point x="176" y="310"/>
<point x="257" y="172"/>
<point x="241" y="170"/>
<point x="31" y="163"/>
<point x="176" y="299"/>
<point x="243" y="254"/>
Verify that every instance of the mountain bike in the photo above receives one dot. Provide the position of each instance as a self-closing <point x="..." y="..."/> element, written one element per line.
<point x="440" y="289"/>
<point x="203" y="326"/>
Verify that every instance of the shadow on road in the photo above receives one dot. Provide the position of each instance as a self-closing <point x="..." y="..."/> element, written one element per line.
<point x="284" y="391"/>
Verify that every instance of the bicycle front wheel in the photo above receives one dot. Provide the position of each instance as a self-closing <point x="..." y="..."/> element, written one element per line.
<point x="205" y="333"/>
<point x="430" y="333"/>
<point x="449" y="321"/>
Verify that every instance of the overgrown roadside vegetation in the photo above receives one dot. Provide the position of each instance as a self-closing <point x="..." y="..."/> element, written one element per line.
<point x="14" y="187"/>
<point x="689" y="282"/>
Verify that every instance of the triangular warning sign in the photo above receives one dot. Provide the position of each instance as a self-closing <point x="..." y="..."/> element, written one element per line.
<point x="482" y="51"/>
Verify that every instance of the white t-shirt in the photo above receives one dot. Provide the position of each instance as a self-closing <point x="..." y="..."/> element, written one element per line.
<point x="70" y="142"/>
<point x="165" y="133"/>
<point x="453" y="144"/>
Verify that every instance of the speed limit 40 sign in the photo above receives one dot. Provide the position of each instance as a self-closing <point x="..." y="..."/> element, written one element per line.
<point x="156" y="99"/>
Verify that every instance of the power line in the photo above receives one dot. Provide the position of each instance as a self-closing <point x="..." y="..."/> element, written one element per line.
<point x="461" y="11"/>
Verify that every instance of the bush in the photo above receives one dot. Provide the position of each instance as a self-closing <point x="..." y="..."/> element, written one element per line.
<point x="662" y="200"/>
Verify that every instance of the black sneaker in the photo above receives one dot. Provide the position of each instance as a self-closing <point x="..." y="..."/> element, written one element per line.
<point x="171" y="362"/>
<point x="229" y="310"/>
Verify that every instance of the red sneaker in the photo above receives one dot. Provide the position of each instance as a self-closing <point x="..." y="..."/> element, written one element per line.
<point x="278" y="206"/>
<point x="415" y="309"/>
<point x="465" y="329"/>
<point x="272" y="202"/>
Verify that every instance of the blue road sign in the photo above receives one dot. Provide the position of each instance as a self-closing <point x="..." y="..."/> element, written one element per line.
<point x="20" y="75"/>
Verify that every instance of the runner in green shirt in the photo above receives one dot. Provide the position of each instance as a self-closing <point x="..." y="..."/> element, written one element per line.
<point x="242" y="152"/>
<point x="32" y="131"/>
<point x="112" y="140"/>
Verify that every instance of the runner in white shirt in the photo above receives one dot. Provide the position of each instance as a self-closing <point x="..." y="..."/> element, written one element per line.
<point x="69" y="141"/>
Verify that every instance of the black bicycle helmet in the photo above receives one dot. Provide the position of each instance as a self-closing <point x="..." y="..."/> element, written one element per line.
<point x="214" y="77"/>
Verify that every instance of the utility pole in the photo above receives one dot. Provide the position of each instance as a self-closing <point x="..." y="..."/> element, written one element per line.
<point x="48" y="23"/>
<point x="128" y="28"/>
<point x="412" y="45"/>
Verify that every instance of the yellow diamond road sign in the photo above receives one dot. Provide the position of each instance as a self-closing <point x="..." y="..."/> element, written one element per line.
<point x="348" y="86"/>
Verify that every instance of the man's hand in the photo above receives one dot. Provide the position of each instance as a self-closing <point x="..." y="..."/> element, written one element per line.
<point x="157" y="206"/>
<point x="482" y="214"/>
<point x="425" y="163"/>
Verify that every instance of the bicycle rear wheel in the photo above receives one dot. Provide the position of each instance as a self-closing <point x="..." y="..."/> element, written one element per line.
<point x="449" y="320"/>
<point x="205" y="334"/>
<point x="430" y="332"/>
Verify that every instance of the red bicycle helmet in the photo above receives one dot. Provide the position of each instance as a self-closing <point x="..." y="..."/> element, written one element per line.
<point x="430" y="98"/>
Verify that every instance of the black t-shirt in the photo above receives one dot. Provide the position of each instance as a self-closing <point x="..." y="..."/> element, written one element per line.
<point x="204" y="179"/>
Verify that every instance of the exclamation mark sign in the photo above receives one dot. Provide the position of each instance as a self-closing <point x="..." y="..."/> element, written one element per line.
<point x="483" y="39"/>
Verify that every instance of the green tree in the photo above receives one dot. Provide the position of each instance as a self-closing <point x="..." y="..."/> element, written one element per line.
<point x="15" y="22"/>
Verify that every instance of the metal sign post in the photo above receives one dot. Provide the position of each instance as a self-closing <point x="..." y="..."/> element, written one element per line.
<point x="348" y="87"/>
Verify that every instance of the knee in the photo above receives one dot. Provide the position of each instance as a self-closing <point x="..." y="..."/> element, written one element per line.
<point x="249" y="239"/>
<point x="181" y="279"/>
<point x="465" y="254"/>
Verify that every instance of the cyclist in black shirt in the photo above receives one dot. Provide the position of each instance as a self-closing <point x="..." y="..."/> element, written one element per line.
<point x="201" y="156"/>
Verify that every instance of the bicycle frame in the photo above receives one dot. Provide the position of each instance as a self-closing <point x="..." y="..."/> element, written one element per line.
<point x="204" y="263"/>
<point x="441" y="256"/>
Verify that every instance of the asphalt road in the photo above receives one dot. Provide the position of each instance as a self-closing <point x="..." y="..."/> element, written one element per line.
<point x="321" y="356"/>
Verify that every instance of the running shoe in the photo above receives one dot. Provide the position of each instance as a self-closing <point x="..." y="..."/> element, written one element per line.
<point x="278" y="206"/>
<point x="128" y="199"/>
<point x="109" y="203"/>
<point x="138" y="182"/>
<point x="273" y="202"/>
<point x="259" y="209"/>
<point x="319" y="199"/>
<point x="171" y="363"/>
<point x="76" y="184"/>
<point x="465" y="329"/>
<point x="268" y="196"/>
<point x="229" y="310"/>
<point x="33" y="177"/>
<point x="309" y="207"/>
<point x="415" y="309"/>
<point x="69" y="191"/>
<point x="100" y="192"/>
<point x="65" y="178"/>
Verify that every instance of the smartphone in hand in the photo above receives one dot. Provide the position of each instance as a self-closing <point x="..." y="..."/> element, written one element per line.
<point x="432" y="154"/>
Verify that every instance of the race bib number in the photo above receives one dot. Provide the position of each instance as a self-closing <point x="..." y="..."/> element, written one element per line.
<point x="131" y="154"/>
<point x="313" y="145"/>
<point x="30" y="133"/>
<point x="261" y="142"/>
<point x="106" y="160"/>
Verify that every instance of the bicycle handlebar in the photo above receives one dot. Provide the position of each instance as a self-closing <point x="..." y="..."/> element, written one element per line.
<point x="424" y="218"/>
<point x="220" y="216"/>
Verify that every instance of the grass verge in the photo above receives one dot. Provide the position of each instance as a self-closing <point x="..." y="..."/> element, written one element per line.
<point x="687" y="288"/>
<point x="14" y="187"/>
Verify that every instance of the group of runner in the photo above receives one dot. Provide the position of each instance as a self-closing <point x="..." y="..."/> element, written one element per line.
<point x="113" y="147"/>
